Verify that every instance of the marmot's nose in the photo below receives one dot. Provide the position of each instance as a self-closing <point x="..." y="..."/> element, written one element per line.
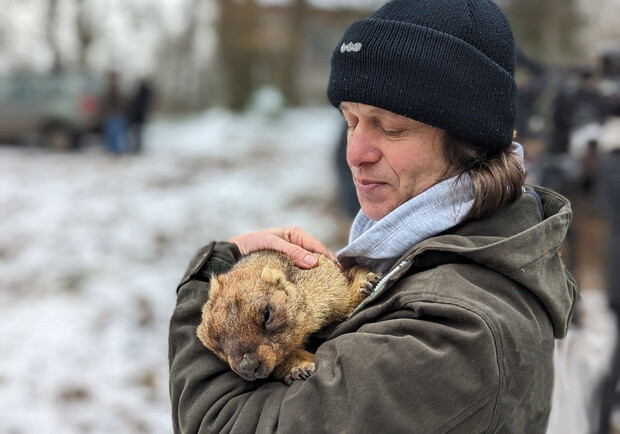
<point x="249" y="364"/>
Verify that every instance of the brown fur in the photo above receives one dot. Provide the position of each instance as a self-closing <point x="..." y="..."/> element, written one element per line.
<point x="261" y="312"/>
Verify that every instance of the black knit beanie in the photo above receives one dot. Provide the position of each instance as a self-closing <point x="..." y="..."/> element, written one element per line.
<point x="447" y="63"/>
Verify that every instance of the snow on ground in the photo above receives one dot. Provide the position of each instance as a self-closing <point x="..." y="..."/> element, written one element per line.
<point x="92" y="247"/>
<point x="581" y="361"/>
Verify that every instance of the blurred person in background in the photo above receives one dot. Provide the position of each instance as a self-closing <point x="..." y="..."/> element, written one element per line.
<point x="590" y="105"/>
<point x="114" y="118"/>
<point x="610" y="188"/>
<point x="459" y="334"/>
<point x="589" y="168"/>
<point x="139" y="110"/>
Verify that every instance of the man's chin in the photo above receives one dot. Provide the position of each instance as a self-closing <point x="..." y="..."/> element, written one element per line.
<point x="376" y="211"/>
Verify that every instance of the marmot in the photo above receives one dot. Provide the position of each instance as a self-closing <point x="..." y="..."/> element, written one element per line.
<point x="261" y="312"/>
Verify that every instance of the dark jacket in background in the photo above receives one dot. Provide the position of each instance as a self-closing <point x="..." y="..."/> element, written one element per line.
<point x="459" y="337"/>
<point x="610" y="185"/>
<point x="140" y="103"/>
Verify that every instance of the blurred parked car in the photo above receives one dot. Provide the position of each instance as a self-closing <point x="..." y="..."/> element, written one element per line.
<point x="55" y="110"/>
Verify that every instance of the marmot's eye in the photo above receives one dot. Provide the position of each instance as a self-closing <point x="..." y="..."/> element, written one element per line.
<point x="216" y="346"/>
<point x="266" y="315"/>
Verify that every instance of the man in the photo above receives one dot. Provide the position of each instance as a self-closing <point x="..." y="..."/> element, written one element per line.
<point x="458" y="336"/>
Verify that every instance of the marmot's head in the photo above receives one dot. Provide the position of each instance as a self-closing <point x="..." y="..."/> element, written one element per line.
<point x="247" y="322"/>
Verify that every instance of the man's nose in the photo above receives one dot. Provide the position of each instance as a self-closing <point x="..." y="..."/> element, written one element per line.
<point x="362" y="146"/>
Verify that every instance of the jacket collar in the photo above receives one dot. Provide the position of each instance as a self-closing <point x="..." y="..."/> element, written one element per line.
<point x="517" y="241"/>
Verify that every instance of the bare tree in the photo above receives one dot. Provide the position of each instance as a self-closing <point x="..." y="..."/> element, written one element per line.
<point x="293" y="56"/>
<point x="237" y="31"/>
<point x="85" y="33"/>
<point x="179" y="73"/>
<point x="546" y="29"/>
<point x="50" y="30"/>
<point x="602" y="31"/>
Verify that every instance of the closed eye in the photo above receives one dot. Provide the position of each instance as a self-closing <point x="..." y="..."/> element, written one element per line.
<point x="390" y="130"/>
<point x="392" y="133"/>
<point x="216" y="345"/>
<point x="267" y="315"/>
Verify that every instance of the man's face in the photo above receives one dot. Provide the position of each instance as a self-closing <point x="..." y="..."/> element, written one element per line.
<point x="392" y="158"/>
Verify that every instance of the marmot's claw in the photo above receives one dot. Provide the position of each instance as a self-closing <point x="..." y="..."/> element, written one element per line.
<point x="302" y="372"/>
<point x="368" y="286"/>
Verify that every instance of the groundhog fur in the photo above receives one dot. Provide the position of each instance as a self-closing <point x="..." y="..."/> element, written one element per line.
<point x="261" y="312"/>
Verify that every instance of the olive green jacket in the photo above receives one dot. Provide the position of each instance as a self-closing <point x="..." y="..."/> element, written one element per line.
<point x="458" y="337"/>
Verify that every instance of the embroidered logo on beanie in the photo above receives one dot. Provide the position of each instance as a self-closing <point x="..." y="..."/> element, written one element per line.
<point x="351" y="47"/>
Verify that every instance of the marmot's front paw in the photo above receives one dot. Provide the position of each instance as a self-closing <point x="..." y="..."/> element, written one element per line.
<point x="301" y="372"/>
<point x="367" y="287"/>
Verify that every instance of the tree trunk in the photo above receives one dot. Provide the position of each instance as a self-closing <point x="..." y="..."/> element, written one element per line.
<point x="236" y="31"/>
<point x="85" y="34"/>
<point x="293" y="57"/>
<point x="50" y="30"/>
<point x="546" y="30"/>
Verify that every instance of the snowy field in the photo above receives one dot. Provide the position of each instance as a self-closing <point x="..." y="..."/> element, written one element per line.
<point x="92" y="247"/>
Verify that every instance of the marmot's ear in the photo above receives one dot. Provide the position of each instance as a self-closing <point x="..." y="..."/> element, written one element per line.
<point x="216" y="284"/>
<point x="272" y="276"/>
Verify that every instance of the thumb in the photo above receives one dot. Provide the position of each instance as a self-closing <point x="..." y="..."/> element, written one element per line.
<point x="301" y="257"/>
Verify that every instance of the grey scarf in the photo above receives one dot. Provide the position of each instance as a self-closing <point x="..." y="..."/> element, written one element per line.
<point x="429" y="213"/>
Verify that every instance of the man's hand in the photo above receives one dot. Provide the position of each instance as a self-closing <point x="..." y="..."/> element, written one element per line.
<point x="293" y="242"/>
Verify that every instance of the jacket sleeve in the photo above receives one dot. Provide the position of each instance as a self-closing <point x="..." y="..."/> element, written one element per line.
<point x="403" y="372"/>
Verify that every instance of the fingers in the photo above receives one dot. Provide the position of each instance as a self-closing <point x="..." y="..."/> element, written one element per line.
<point x="300" y="256"/>
<point x="293" y="242"/>
<point x="300" y="238"/>
<point x="248" y="242"/>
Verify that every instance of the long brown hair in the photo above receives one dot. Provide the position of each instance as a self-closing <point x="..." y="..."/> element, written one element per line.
<point x="497" y="176"/>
